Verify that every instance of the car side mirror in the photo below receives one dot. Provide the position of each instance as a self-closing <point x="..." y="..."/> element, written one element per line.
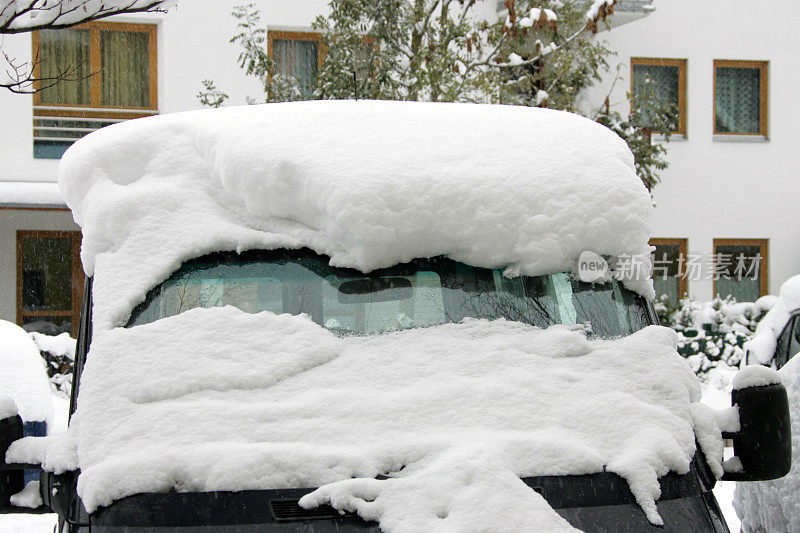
<point x="763" y="445"/>
<point x="12" y="480"/>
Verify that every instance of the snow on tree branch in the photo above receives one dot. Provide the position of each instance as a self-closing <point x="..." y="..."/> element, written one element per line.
<point x="19" y="16"/>
<point x="599" y="10"/>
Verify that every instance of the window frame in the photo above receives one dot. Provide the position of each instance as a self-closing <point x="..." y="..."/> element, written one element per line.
<point x="668" y="62"/>
<point x="272" y="35"/>
<point x="95" y="80"/>
<point x="763" y="94"/>
<point x="76" y="271"/>
<point x="683" y="246"/>
<point x="763" y="267"/>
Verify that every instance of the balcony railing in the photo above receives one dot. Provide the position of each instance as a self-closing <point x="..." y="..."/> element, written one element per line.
<point x="55" y="128"/>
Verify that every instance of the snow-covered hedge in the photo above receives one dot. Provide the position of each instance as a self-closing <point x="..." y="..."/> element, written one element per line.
<point x="58" y="353"/>
<point x="712" y="333"/>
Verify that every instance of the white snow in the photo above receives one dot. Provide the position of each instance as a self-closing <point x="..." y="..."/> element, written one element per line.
<point x="755" y="376"/>
<point x="761" y="348"/>
<point x="61" y="344"/>
<point x="775" y="505"/>
<point x="717" y="395"/>
<point x="23" y="376"/>
<point x="30" y="193"/>
<point x="28" y="497"/>
<point x="17" y="13"/>
<point x="594" y="10"/>
<point x="221" y="399"/>
<point x="8" y="407"/>
<point x="370" y="184"/>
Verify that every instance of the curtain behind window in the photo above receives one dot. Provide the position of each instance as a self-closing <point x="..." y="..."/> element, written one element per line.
<point x="742" y="277"/>
<point x="738" y="93"/>
<point x="297" y="59"/>
<point x="124" y="58"/>
<point x="666" y="269"/>
<point x="665" y="84"/>
<point x="65" y="51"/>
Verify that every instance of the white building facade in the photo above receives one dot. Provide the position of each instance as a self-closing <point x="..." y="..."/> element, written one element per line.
<point x="719" y="186"/>
<point x="732" y="184"/>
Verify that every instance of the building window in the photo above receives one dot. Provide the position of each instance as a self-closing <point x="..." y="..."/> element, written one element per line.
<point x="115" y="65"/>
<point x="668" y="81"/>
<point x="669" y="268"/>
<point x="49" y="281"/>
<point x="740" y="268"/>
<point x="296" y="55"/>
<point x="740" y="97"/>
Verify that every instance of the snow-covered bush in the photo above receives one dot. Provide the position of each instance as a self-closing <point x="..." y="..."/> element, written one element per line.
<point x="712" y="333"/>
<point x="58" y="353"/>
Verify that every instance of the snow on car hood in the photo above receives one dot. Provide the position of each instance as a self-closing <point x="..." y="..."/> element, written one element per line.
<point x="219" y="399"/>
<point x="370" y="184"/>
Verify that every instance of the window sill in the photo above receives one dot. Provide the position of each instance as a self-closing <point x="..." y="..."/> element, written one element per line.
<point x="660" y="138"/>
<point x="740" y="138"/>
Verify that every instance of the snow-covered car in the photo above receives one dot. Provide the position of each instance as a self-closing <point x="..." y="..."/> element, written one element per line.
<point x="774" y="505"/>
<point x="364" y="316"/>
<point x="23" y="383"/>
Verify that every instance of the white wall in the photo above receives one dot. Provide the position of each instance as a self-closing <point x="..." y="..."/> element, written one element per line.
<point x="723" y="189"/>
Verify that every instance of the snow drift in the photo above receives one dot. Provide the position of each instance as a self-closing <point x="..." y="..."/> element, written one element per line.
<point x="371" y="184"/>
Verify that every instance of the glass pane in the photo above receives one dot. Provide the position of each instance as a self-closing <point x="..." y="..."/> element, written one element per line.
<point x="46" y="274"/>
<point x="738" y="268"/>
<point x="60" y="52"/>
<point x="663" y="81"/>
<point x="738" y="93"/>
<point x="421" y="293"/>
<point x="49" y="325"/>
<point x="125" y="60"/>
<point x="49" y="149"/>
<point x="362" y="60"/>
<point x="666" y="271"/>
<point x="297" y="59"/>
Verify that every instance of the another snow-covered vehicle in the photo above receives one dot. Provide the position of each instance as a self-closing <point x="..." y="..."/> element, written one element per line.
<point x="775" y="505"/>
<point x="363" y="316"/>
<point x="24" y="390"/>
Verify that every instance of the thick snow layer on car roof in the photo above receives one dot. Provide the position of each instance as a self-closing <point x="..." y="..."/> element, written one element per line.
<point x="761" y="348"/>
<point x="23" y="377"/>
<point x="452" y="413"/>
<point x="370" y="184"/>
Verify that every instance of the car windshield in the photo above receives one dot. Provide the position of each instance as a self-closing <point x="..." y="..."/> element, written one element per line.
<point x="421" y="293"/>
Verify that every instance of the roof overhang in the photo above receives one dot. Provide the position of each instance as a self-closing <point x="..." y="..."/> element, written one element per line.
<point x="31" y="195"/>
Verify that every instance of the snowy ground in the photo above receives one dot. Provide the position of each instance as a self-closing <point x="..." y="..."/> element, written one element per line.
<point x="712" y="395"/>
<point x="717" y="394"/>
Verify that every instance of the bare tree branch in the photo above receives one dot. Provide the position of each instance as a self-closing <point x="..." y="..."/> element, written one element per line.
<point x="19" y="77"/>
<point x="21" y="16"/>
